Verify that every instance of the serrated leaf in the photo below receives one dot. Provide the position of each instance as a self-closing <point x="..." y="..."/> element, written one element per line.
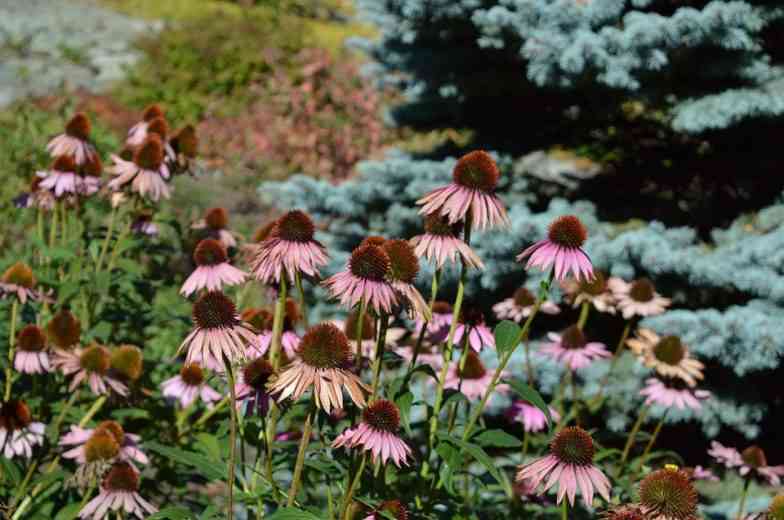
<point x="211" y="469"/>
<point x="507" y="336"/>
<point x="292" y="513"/>
<point x="532" y="396"/>
<point x="497" y="439"/>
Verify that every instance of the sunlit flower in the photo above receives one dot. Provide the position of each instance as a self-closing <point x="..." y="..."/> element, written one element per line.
<point x="667" y="355"/>
<point x="472" y="322"/>
<point x="119" y="491"/>
<point x="213" y="269"/>
<point x="672" y="393"/>
<point x="391" y="507"/>
<point x="90" y="364"/>
<point x="570" y="465"/>
<point x="596" y="291"/>
<point x="440" y="321"/>
<point x="365" y="278"/>
<point x="188" y="386"/>
<point x="474" y="380"/>
<point x="106" y="442"/>
<point x="472" y="191"/>
<point x="64" y="330"/>
<point x="441" y="242"/>
<point x="323" y="357"/>
<point x="751" y="461"/>
<point x="63" y="179"/>
<point x="533" y="419"/>
<point x="638" y="298"/>
<point x="251" y="387"/>
<point x="572" y="349"/>
<point x="75" y="141"/>
<point x="147" y="172"/>
<point x="160" y="127"/>
<point x="403" y="270"/>
<point x="668" y="494"/>
<point x="369" y="333"/>
<point x="138" y="132"/>
<point x="32" y="356"/>
<point x="19" y="281"/>
<point x="521" y="305"/>
<point x="562" y="250"/>
<point x="377" y="433"/>
<point x="127" y="362"/>
<point x="18" y="433"/>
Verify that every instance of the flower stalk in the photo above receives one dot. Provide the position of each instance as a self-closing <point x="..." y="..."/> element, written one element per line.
<point x="11" y="348"/>
<point x="303" y="447"/>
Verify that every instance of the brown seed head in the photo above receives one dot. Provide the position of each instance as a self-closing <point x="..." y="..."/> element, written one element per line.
<point x="669" y="493"/>
<point x="101" y="446"/>
<point x="64" y="163"/>
<point x="567" y="231"/>
<point x="370" y="262"/>
<point x="669" y="350"/>
<point x="210" y="252"/>
<point x="594" y="287"/>
<point x="31" y="339"/>
<point x="259" y="319"/>
<point x="186" y="142"/>
<point x="128" y="361"/>
<point x="324" y="346"/>
<point x="436" y="224"/>
<point x="192" y="374"/>
<point x="158" y="126"/>
<point x="64" y="330"/>
<point x="149" y="154"/>
<point x="257" y="373"/>
<point x="114" y="428"/>
<point x="153" y="111"/>
<point x="216" y="218"/>
<point x="523" y="297"/>
<point x="214" y="310"/>
<point x="96" y="359"/>
<point x="382" y="415"/>
<point x="754" y="457"/>
<point x="295" y="226"/>
<point x="121" y="477"/>
<point x="573" y="445"/>
<point x="78" y="126"/>
<point x="642" y="290"/>
<point x="473" y="368"/>
<point x="368" y="326"/>
<point x="15" y="415"/>
<point x="19" y="274"/>
<point x="477" y="170"/>
<point x="573" y="338"/>
<point x="403" y="263"/>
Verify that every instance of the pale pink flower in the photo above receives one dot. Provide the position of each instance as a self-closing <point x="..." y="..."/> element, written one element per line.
<point x="428" y="354"/>
<point x="377" y="433"/>
<point x="160" y="127"/>
<point x="74" y="142"/>
<point x="19" y="281"/>
<point x="107" y="441"/>
<point x="119" y="492"/>
<point x="669" y="393"/>
<point x="215" y="225"/>
<point x="31" y="355"/>
<point x="638" y="298"/>
<point x="533" y="419"/>
<point x="474" y="380"/>
<point x="667" y="355"/>
<point x="18" y="433"/>
<point x="471" y="192"/>
<point x="147" y="173"/>
<point x="562" y="250"/>
<point x="262" y="320"/>
<point x="143" y="225"/>
<point x="438" y="326"/>
<point x="570" y="465"/>
<point x="365" y="279"/>
<point x="441" y="243"/>
<point x="289" y="341"/>
<point x="403" y="270"/>
<point x="90" y="365"/>
<point x="472" y="322"/>
<point x="521" y="305"/>
<point x="37" y="197"/>
<point x="752" y="461"/>
<point x="138" y="132"/>
<point x="62" y="179"/>
<point x="700" y="473"/>
<point x="571" y="349"/>
<point x="213" y="269"/>
<point x="188" y="386"/>
<point x="596" y="292"/>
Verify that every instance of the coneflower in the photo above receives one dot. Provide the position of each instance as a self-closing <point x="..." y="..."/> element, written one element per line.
<point x="119" y="491"/>
<point x="596" y="292"/>
<point x="668" y="494"/>
<point x="32" y="356"/>
<point x="532" y="418"/>
<point x="264" y="319"/>
<point x="365" y="278"/>
<point x="471" y="322"/>
<point x="473" y="379"/>
<point x="19" y="281"/>
<point x="189" y="385"/>
<point x="396" y="508"/>
<point x="667" y="355"/>
<point x="18" y="433"/>
<point x="213" y="269"/>
<point x="572" y="349"/>
<point x="147" y="173"/>
<point x="441" y="242"/>
<point x="64" y="330"/>
<point x="521" y="305"/>
<point x="638" y="298"/>
<point x="369" y="332"/>
<point x="91" y="365"/>
<point x="63" y="179"/>
<point x="669" y="392"/>
<point x="377" y="433"/>
<point x="127" y="362"/>
<point x="749" y="462"/>
<point x="562" y="249"/>
<point x="215" y="224"/>
<point x="251" y="387"/>
<point x="106" y="442"/>
<point x="403" y="270"/>
<point x="138" y="132"/>
<point x="75" y="141"/>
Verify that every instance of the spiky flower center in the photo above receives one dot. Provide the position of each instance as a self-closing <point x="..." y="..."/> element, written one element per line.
<point x="403" y="263"/>
<point x="121" y="477"/>
<point x="114" y="429"/>
<point x="642" y="290"/>
<point x="594" y="287"/>
<point x="78" y="127"/>
<point x="216" y="218"/>
<point x="523" y="297"/>
<point x="296" y="226"/>
<point x="754" y="456"/>
<point x="64" y="163"/>
<point x="476" y="170"/>
<point x="101" y="446"/>
<point x="369" y="262"/>
<point x="210" y="252"/>
<point x="776" y="508"/>
<point x="19" y="274"/>
<point x="259" y="319"/>
<point x="442" y="307"/>
<point x="670" y="494"/>
<point x="158" y="126"/>
<point x="573" y="338"/>
<point x="256" y="373"/>
<point x="436" y="224"/>
<point x="573" y="445"/>
<point x="324" y="346"/>
<point x="395" y="508"/>
<point x="186" y="142"/>
<point x="128" y="361"/>
<point x="473" y="368"/>
<point x="382" y="415"/>
<point x="214" y="310"/>
<point x="64" y="329"/>
<point x="192" y="374"/>
<point x="669" y="350"/>
<point x="31" y="339"/>
<point x="373" y="240"/>
<point x="368" y="326"/>
<point x="264" y="232"/>
<point x="149" y="155"/>
<point x="471" y="315"/>
<point x="15" y="415"/>
<point x="152" y="112"/>
<point x="93" y="166"/>
<point x="96" y="359"/>
<point x="567" y="231"/>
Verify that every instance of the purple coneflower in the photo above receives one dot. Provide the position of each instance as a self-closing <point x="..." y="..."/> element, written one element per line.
<point x="138" y="132"/>
<point x="596" y="292"/>
<point x="751" y="461"/>
<point x="403" y="270"/>
<point x="572" y="349"/>
<point x="668" y="494"/>
<point x="429" y="352"/>
<point x="441" y="242"/>
<point x="291" y="248"/>
<point x="119" y="491"/>
<point x="369" y="332"/>
<point x="251" y="387"/>
<point x="75" y="141"/>
<point x="189" y="385"/>
<point x="472" y="190"/>
<point x="323" y="357"/>
<point x="64" y="179"/>
<point x="440" y="321"/>
<point x="185" y="144"/>
<point x="19" y="281"/>
<point x="473" y="380"/>
<point x="64" y="330"/>
<point x="377" y="433"/>
<point x="670" y="393"/>
<point x="365" y="278"/>
<point x="215" y="225"/>
<point x="533" y="419"/>
<point x="106" y="442"/>
<point x="213" y="269"/>
<point x="667" y="355"/>
<point x="31" y="355"/>
<point x="638" y="298"/>
<point x="562" y="250"/>
<point x="90" y="364"/>
<point x="390" y="507"/>
<point x="160" y="127"/>
<point x="471" y="321"/>
<point x="521" y="305"/>
<point x="37" y="197"/>
<point x="570" y="465"/>
<point x="262" y="320"/>
<point x="18" y="432"/>
<point x="147" y="172"/>
<point x="700" y="473"/>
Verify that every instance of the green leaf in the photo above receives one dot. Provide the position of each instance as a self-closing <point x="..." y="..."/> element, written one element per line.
<point x="477" y="453"/>
<point x="453" y="396"/>
<point x="292" y="513"/>
<point x="211" y="469"/>
<point x="497" y="439"/>
<point x="404" y="405"/>
<point x="507" y="336"/>
<point x="172" y="513"/>
<point x="69" y="512"/>
<point x="10" y="471"/>
<point x="130" y="413"/>
<point x="532" y="396"/>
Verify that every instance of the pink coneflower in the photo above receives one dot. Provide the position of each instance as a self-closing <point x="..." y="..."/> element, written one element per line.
<point x="189" y="385"/>
<point x="90" y="364"/>
<point x="160" y="127"/>
<point x="213" y="269"/>
<point x="474" y="380"/>
<point x="751" y="461"/>
<point x="64" y="330"/>
<point x="562" y="250"/>
<point x="668" y="494"/>
<point x="474" y="180"/>
<point x="185" y="144"/>
<point x="147" y="172"/>
<point x="144" y="225"/>
<point x="365" y="278"/>
<point x="119" y="491"/>
<point x="63" y="179"/>
<point x="472" y="322"/>
<point x="670" y="392"/>
<point x="638" y="298"/>
<point x="521" y="305"/>
<point x="667" y="355"/>
<point x="75" y="141"/>
<point x="700" y="473"/>
<point x="289" y="340"/>
<point x="215" y="225"/>
<point x="251" y="386"/>
<point x="403" y="270"/>
<point x="18" y="432"/>
<point x="19" y="281"/>
<point x="323" y="355"/>
<point x="533" y="419"/>
<point x="291" y="248"/>
<point x="106" y="442"/>
<point x="377" y="433"/>
<point x="570" y="465"/>
<point x="37" y="197"/>
<point x="369" y="333"/>
<point x="390" y="507"/>
<point x="429" y="353"/>
<point x="31" y="351"/>
<point x="438" y="326"/>
<point x="572" y="349"/>
<point x="218" y="334"/>
<point x="138" y="132"/>
<point x="441" y="242"/>
<point x="596" y="292"/>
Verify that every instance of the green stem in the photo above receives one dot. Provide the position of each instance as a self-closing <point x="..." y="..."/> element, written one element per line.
<point x="358" y="336"/>
<point x="564" y="509"/>
<point x="53" y="227"/>
<point x="742" y="506"/>
<point x="269" y="434"/>
<point x="379" y="355"/>
<point x="106" y="240"/>
<point x="650" y="444"/>
<point x="529" y="369"/>
<point x="277" y="323"/>
<point x="66" y="407"/>
<point x="632" y="435"/>
<point x="584" y="310"/>
<point x="232" y="439"/>
<point x="301" y="293"/>
<point x="460" y="368"/>
<point x="352" y="487"/>
<point x="11" y="348"/>
<point x="64" y="223"/>
<point x="431" y="303"/>
<point x="303" y="447"/>
<point x="526" y="440"/>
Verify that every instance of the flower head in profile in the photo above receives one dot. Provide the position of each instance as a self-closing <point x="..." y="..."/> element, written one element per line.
<point x="396" y="508"/>
<point x="19" y="281"/>
<point x="441" y="242"/>
<point x="64" y="330"/>
<point x="561" y="250"/>
<point x="572" y="349"/>
<point x="18" y="433"/>
<point x="570" y="465"/>
<point x="213" y="270"/>
<point x="290" y="248"/>
<point x="521" y="305"/>
<point x="377" y="433"/>
<point x="89" y="365"/>
<point x="75" y="141"/>
<point x="474" y="379"/>
<point x="472" y="329"/>
<point x="188" y="386"/>
<point x="668" y="494"/>
<point x="64" y="179"/>
<point x="119" y="492"/>
<point x="138" y="132"/>
<point x="251" y="387"/>
<point x="107" y="442"/>
<point x="638" y="298"/>
<point x="32" y="356"/>
<point x="751" y="461"/>
<point x="471" y="192"/>
<point x="146" y="173"/>
<point x="289" y="340"/>
<point x="596" y="292"/>
<point x="667" y="355"/>
<point x="670" y="392"/>
<point x="185" y="143"/>
<point x="323" y="357"/>
<point x="533" y="419"/>
<point x="365" y="278"/>
<point x="36" y="197"/>
<point x="215" y="224"/>
<point x="403" y="270"/>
